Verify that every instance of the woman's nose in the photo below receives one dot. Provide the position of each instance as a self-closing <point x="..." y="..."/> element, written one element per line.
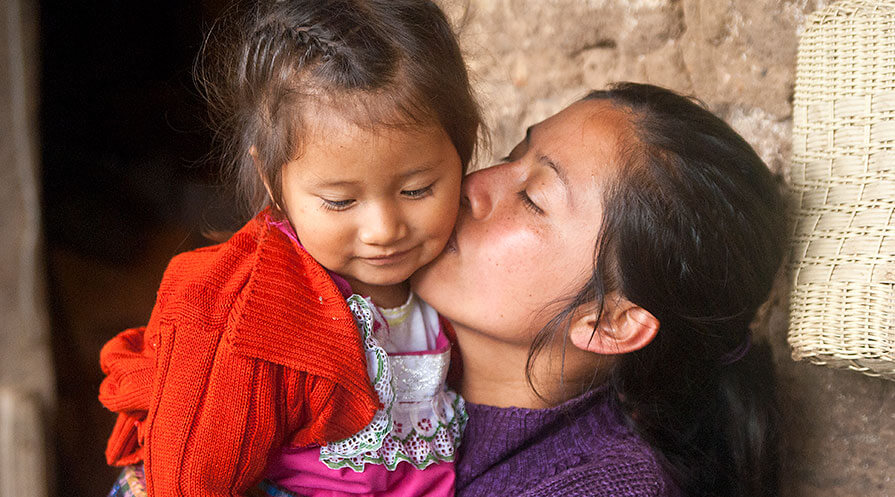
<point x="384" y="225"/>
<point x="479" y="190"/>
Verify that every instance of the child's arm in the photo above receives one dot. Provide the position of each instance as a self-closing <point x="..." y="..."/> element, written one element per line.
<point x="201" y="417"/>
<point x="235" y="372"/>
<point x="213" y="418"/>
<point x="224" y="455"/>
<point x="216" y="416"/>
<point x="129" y="366"/>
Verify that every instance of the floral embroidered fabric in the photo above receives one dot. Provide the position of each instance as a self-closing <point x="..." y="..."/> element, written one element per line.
<point x="421" y="420"/>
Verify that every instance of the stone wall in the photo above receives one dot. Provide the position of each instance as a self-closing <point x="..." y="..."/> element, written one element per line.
<point x="533" y="57"/>
<point x="26" y="379"/>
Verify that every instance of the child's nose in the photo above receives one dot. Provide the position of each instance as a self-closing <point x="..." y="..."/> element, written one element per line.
<point x="384" y="226"/>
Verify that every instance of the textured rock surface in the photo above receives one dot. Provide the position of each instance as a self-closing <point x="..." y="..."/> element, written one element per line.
<point x="26" y="379"/>
<point x="24" y="347"/>
<point x="533" y="57"/>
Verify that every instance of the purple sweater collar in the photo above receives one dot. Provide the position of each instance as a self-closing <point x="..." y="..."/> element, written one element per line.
<point x="580" y="448"/>
<point x="487" y="424"/>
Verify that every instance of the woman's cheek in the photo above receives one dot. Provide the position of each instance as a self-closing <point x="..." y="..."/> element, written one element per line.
<point x="515" y="250"/>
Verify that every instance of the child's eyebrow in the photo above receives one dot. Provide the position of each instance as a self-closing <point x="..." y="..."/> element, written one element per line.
<point x="337" y="183"/>
<point x="429" y="166"/>
<point x="424" y="168"/>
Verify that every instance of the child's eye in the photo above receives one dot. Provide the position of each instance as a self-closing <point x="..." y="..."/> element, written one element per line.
<point x="529" y="203"/>
<point x="418" y="193"/>
<point x="337" y="205"/>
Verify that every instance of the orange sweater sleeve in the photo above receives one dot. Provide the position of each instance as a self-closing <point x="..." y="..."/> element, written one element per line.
<point x="218" y="442"/>
<point x="247" y="349"/>
<point x="212" y="434"/>
<point x="318" y="408"/>
<point x="214" y="418"/>
<point x="127" y="389"/>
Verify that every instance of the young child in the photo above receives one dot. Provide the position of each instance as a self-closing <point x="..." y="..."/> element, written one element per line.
<point x="350" y="123"/>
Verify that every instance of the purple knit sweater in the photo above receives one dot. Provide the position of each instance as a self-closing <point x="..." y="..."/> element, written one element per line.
<point x="579" y="448"/>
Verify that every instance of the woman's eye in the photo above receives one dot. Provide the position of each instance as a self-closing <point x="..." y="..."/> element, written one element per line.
<point x="529" y="203"/>
<point x="337" y="205"/>
<point x="418" y="193"/>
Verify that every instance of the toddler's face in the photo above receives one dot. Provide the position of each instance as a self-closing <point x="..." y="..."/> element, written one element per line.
<point x="373" y="205"/>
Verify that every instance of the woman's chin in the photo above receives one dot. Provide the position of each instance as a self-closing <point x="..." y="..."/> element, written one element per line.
<point x="418" y="279"/>
<point x="426" y="280"/>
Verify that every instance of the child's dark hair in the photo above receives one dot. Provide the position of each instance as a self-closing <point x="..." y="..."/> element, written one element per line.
<point x="693" y="230"/>
<point x="265" y="70"/>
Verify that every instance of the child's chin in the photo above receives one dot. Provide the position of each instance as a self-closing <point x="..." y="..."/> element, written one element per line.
<point x="391" y="280"/>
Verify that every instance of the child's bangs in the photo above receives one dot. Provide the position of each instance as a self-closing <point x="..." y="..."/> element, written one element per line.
<point x="394" y="106"/>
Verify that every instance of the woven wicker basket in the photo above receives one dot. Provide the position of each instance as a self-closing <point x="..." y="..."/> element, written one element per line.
<point x="843" y="174"/>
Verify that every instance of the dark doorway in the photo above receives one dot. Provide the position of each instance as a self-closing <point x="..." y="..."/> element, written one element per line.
<point x="127" y="184"/>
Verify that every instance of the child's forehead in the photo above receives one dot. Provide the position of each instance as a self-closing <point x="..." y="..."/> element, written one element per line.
<point x="333" y="127"/>
<point x="372" y="112"/>
<point x="338" y="136"/>
<point x="340" y="154"/>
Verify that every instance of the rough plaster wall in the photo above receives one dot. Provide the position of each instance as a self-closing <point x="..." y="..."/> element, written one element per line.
<point x="26" y="379"/>
<point x="24" y="340"/>
<point x="533" y="57"/>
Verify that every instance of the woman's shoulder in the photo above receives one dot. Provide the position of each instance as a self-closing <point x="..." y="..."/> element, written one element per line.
<point x="583" y="447"/>
<point x="606" y="458"/>
<point x="624" y="476"/>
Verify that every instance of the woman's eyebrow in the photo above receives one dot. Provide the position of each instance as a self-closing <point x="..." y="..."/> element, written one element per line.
<point x="560" y="172"/>
<point x="547" y="161"/>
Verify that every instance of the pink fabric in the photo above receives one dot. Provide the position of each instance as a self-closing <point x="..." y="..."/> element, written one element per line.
<point x="317" y="480"/>
<point x="299" y="470"/>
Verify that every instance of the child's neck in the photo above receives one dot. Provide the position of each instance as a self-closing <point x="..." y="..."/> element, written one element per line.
<point x="385" y="296"/>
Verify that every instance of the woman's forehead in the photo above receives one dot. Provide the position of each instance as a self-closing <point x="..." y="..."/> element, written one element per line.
<point x="585" y="136"/>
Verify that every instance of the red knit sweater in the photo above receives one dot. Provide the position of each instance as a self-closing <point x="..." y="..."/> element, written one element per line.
<point x="250" y="346"/>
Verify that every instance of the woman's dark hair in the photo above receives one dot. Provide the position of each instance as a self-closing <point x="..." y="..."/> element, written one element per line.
<point x="266" y="70"/>
<point x="693" y="230"/>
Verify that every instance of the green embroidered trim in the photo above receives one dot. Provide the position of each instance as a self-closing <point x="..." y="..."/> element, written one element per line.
<point x="373" y="435"/>
<point x="455" y="428"/>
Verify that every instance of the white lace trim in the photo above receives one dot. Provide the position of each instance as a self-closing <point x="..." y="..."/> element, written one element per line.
<point x="379" y="370"/>
<point x="418" y="424"/>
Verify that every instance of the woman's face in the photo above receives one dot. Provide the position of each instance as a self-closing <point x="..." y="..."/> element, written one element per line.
<point x="527" y="228"/>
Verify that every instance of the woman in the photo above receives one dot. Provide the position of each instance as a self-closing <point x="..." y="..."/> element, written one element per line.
<point x="601" y="283"/>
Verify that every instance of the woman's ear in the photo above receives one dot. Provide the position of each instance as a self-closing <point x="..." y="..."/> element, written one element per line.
<point x="254" y="153"/>
<point x="623" y="327"/>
